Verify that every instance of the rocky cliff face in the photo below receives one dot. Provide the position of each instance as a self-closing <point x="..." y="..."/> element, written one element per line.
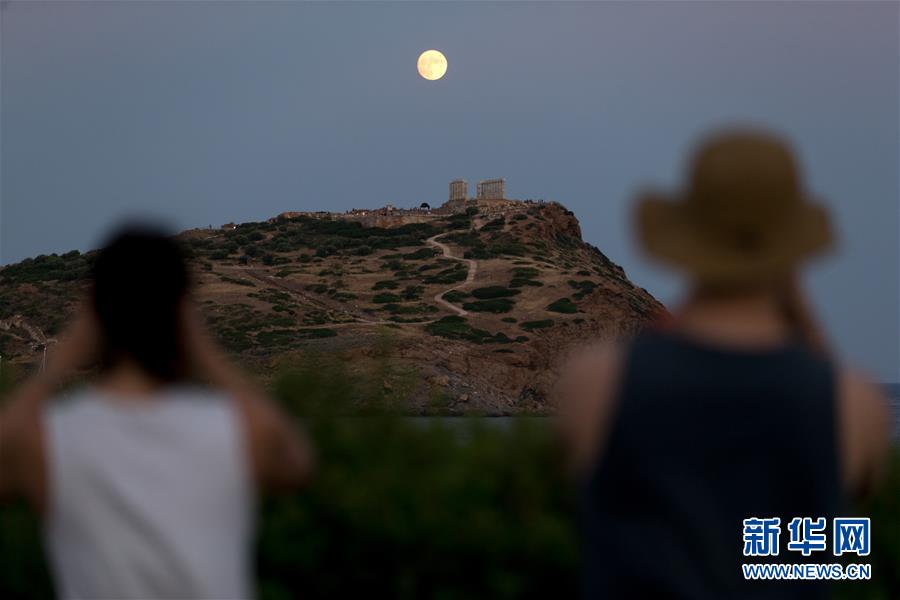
<point x="558" y="223"/>
<point x="471" y="310"/>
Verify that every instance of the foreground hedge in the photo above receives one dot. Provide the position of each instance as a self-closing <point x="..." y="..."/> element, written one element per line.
<point x="400" y="509"/>
<point x="407" y="509"/>
<point x="419" y="508"/>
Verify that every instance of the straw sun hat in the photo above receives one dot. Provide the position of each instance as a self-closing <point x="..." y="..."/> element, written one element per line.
<point x="743" y="217"/>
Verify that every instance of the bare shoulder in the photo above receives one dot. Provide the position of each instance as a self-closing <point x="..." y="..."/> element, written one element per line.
<point x="864" y="402"/>
<point x="22" y="457"/>
<point x="280" y="453"/>
<point x="864" y="429"/>
<point x="585" y="396"/>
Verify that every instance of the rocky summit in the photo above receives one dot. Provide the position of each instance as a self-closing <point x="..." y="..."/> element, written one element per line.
<point x="471" y="303"/>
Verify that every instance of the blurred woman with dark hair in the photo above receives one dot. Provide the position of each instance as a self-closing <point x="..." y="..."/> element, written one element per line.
<point x="145" y="481"/>
<point x="732" y="410"/>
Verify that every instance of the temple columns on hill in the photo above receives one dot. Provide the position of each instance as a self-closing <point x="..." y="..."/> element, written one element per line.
<point x="459" y="190"/>
<point x="490" y="189"/>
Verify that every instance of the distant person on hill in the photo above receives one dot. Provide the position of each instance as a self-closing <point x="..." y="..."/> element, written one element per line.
<point x="732" y="409"/>
<point x="145" y="481"/>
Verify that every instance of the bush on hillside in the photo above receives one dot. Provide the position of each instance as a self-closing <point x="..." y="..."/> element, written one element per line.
<point x="496" y="306"/>
<point x="563" y="305"/>
<point x="532" y="325"/>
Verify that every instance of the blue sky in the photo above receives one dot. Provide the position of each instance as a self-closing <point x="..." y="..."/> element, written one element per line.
<point x="207" y="112"/>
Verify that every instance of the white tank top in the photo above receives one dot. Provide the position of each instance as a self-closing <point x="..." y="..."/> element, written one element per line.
<point x="148" y="500"/>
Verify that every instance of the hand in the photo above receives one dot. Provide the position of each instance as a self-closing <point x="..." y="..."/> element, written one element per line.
<point x="79" y="346"/>
<point x="198" y="344"/>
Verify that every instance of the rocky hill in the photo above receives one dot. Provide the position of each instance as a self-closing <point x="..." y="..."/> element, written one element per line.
<point x="470" y="307"/>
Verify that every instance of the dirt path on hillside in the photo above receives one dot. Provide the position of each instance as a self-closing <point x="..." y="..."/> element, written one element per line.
<point x="297" y="290"/>
<point x="470" y="277"/>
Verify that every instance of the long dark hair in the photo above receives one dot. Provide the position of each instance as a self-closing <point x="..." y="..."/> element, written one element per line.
<point x="140" y="279"/>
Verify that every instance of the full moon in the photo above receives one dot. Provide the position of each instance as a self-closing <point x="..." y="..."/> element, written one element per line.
<point x="432" y="65"/>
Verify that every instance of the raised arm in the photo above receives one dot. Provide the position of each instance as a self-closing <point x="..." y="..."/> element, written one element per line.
<point x="21" y="441"/>
<point x="864" y="433"/>
<point x="280" y="452"/>
<point x="585" y="396"/>
<point x="22" y="459"/>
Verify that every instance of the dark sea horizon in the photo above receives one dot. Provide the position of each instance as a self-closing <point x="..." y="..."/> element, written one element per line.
<point x="891" y="390"/>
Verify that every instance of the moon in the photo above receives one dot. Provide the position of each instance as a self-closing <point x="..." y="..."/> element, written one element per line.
<point x="432" y="65"/>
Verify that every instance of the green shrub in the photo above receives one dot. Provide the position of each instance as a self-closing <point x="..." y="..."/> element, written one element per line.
<point x="420" y="254"/>
<point x="494" y="225"/>
<point x="68" y="267"/>
<point x="387" y="284"/>
<point x="344" y="296"/>
<point x="455" y="296"/>
<point x="385" y="298"/>
<point x="563" y="305"/>
<point x="454" y="274"/>
<point x="584" y="287"/>
<point x="532" y="325"/>
<point x="497" y="305"/>
<point x="478" y="253"/>
<point x="237" y="280"/>
<point x="413" y="292"/>
<point x="457" y="328"/>
<point x="310" y="334"/>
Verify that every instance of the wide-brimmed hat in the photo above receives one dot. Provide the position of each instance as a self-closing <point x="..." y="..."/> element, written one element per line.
<point x="743" y="216"/>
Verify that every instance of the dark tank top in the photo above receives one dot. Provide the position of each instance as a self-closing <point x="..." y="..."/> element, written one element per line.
<point x="704" y="437"/>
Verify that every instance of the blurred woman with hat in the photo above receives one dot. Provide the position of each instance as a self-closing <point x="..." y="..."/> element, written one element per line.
<point x="731" y="409"/>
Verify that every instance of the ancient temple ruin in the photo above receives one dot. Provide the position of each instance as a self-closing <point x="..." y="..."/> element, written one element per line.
<point x="490" y="189"/>
<point x="459" y="190"/>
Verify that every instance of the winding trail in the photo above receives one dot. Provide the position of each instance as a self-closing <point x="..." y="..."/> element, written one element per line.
<point x="297" y="290"/>
<point x="470" y="277"/>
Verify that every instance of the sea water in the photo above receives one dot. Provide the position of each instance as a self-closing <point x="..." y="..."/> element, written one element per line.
<point x="892" y="391"/>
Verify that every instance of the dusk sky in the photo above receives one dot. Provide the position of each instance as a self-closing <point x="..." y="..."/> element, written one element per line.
<point x="207" y="112"/>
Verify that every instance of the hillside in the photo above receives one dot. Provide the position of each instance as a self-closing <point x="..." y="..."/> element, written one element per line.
<point x="453" y="311"/>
